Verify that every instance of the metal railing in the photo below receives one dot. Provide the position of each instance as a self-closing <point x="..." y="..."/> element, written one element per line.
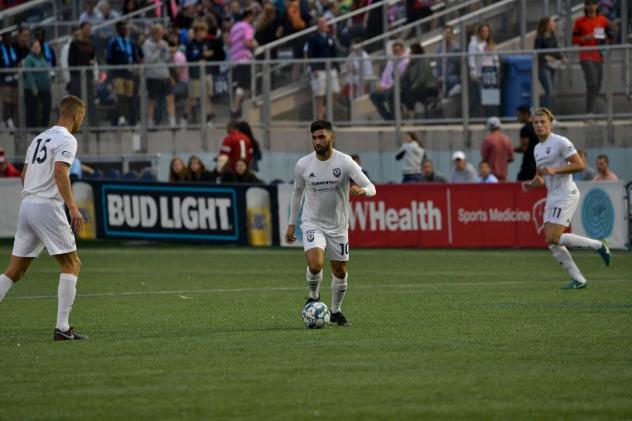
<point x="350" y="110"/>
<point x="39" y="5"/>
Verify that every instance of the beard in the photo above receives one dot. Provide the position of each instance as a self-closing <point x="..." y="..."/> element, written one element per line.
<point x="322" y="150"/>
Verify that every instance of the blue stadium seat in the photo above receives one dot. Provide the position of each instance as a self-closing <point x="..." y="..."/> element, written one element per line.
<point x="130" y="175"/>
<point x="147" y="175"/>
<point x="97" y="174"/>
<point x="113" y="174"/>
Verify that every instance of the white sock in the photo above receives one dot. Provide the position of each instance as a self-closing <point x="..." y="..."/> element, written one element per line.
<point x="172" y="121"/>
<point x="574" y="240"/>
<point x="338" y="289"/>
<point x="564" y="258"/>
<point x="313" y="283"/>
<point x="5" y="285"/>
<point x="65" y="299"/>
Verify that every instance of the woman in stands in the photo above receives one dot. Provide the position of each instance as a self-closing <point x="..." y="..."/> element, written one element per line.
<point x="547" y="62"/>
<point x="484" y="47"/>
<point x="243" y="174"/>
<point x="197" y="170"/>
<point x="177" y="170"/>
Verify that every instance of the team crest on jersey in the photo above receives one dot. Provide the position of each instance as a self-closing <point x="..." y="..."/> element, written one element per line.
<point x="336" y="172"/>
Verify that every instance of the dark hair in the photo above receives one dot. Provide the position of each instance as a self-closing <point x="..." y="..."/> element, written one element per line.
<point x="245" y="14"/>
<point x="416" y="49"/>
<point x="83" y="24"/>
<point x="604" y="157"/>
<point x="398" y="42"/>
<point x="524" y="108"/>
<point x="321" y="125"/>
<point x="120" y="25"/>
<point x="355" y="157"/>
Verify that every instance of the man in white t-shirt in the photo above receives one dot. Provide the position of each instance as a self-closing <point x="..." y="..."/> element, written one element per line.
<point x="42" y="220"/>
<point x="556" y="160"/>
<point x="323" y="179"/>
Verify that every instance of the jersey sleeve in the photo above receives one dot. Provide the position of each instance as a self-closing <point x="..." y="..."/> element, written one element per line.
<point x="226" y="147"/>
<point x="297" y="193"/>
<point x="66" y="151"/>
<point x="568" y="149"/>
<point x="356" y="174"/>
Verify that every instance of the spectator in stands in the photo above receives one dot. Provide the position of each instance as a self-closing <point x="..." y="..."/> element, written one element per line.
<point x="187" y="14"/>
<point x="418" y="83"/>
<point x="485" y="173"/>
<point x="179" y="73"/>
<point x="462" y="171"/>
<point x="268" y="28"/>
<point x="322" y="45"/>
<point x="47" y="50"/>
<point x="592" y="29"/>
<point x="8" y="81"/>
<point x="429" y="174"/>
<point x="177" y="170"/>
<point x="236" y="145"/>
<point x="497" y="150"/>
<point x="63" y="56"/>
<point x="82" y="53"/>
<point x="413" y="155"/>
<point x="486" y="60"/>
<point x="205" y="47"/>
<point x="589" y="173"/>
<point x="21" y="46"/>
<point x="222" y="172"/>
<point x="130" y="6"/>
<point x="197" y="170"/>
<point x="383" y="95"/>
<point x="418" y="9"/>
<point x="107" y="13"/>
<point x="159" y="85"/>
<point x="7" y="169"/>
<point x="549" y="62"/>
<point x="90" y="13"/>
<point x="257" y="154"/>
<point x="242" y="45"/>
<point x="122" y="51"/>
<point x="77" y="169"/>
<point x="452" y="76"/>
<point x="528" y="140"/>
<point x="359" y="69"/>
<point x="603" y="171"/>
<point x="37" y="87"/>
<point x="243" y="173"/>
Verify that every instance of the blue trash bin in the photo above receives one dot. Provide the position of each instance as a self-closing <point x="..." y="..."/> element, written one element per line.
<point x="516" y="84"/>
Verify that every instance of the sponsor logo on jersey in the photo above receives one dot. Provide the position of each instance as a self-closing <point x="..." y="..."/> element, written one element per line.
<point x="598" y="214"/>
<point x="336" y="172"/>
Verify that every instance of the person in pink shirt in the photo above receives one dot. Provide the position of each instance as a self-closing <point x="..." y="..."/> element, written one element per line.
<point x="603" y="171"/>
<point x="242" y="44"/>
<point x="496" y="150"/>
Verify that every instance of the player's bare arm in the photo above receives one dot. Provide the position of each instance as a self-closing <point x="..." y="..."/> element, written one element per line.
<point x="536" y="182"/>
<point x="62" y="179"/>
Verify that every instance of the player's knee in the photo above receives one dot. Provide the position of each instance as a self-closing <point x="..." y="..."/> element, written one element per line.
<point x="315" y="267"/>
<point x="553" y="239"/>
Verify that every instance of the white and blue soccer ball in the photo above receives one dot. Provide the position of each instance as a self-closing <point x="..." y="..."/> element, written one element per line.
<point x="315" y="315"/>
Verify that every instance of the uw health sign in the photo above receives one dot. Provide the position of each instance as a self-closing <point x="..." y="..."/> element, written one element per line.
<point x="449" y="215"/>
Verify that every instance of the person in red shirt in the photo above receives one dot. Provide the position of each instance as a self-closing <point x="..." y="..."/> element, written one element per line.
<point x="591" y="30"/>
<point x="236" y="145"/>
<point x="497" y="150"/>
<point x="7" y="169"/>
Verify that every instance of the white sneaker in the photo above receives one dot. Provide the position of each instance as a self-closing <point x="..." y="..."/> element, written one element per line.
<point x="184" y="123"/>
<point x="10" y="124"/>
<point x="122" y="121"/>
<point x="172" y="122"/>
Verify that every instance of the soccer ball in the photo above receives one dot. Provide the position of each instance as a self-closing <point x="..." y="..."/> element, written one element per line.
<point x="315" y="315"/>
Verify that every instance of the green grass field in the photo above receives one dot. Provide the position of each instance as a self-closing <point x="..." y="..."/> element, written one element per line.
<point x="215" y="333"/>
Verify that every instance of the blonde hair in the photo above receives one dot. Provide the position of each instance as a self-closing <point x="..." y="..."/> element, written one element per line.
<point x="70" y="105"/>
<point x="157" y="29"/>
<point x="546" y="112"/>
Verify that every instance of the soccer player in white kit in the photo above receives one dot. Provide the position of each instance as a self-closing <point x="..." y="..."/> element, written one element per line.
<point x="556" y="159"/>
<point x="325" y="178"/>
<point x="42" y="221"/>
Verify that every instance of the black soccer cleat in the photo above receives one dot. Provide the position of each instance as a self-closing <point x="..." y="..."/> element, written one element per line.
<point x="339" y="319"/>
<point x="69" y="335"/>
<point x="312" y="300"/>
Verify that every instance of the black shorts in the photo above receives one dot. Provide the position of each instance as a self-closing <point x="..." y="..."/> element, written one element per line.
<point x="241" y="76"/>
<point x="158" y="88"/>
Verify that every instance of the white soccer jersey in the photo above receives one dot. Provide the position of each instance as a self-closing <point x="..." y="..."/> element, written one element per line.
<point x="326" y="188"/>
<point x="554" y="152"/>
<point x="50" y="146"/>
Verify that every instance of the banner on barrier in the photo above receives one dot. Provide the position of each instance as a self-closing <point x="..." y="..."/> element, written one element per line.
<point x="601" y="212"/>
<point x="449" y="215"/>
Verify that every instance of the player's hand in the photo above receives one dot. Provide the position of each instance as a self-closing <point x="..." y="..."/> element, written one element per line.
<point x="76" y="220"/>
<point x="289" y="234"/>
<point x="547" y="171"/>
<point x="526" y="186"/>
<point x="356" y="190"/>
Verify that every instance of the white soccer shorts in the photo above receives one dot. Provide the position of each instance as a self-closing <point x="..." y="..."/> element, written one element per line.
<point x="42" y="223"/>
<point x="335" y="244"/>
<point x="560" y="210"/>
<point x="319" y="82"/>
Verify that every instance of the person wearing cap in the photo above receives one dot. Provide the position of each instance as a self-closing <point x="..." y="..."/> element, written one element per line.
<point x="463" y="171"/>
<point x="7" y="169"/>
<point x="497" y="149"/>
<point x="592" y="29"/>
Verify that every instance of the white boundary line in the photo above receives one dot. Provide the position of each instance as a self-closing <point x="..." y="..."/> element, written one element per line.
<point x="272" y="289"/>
